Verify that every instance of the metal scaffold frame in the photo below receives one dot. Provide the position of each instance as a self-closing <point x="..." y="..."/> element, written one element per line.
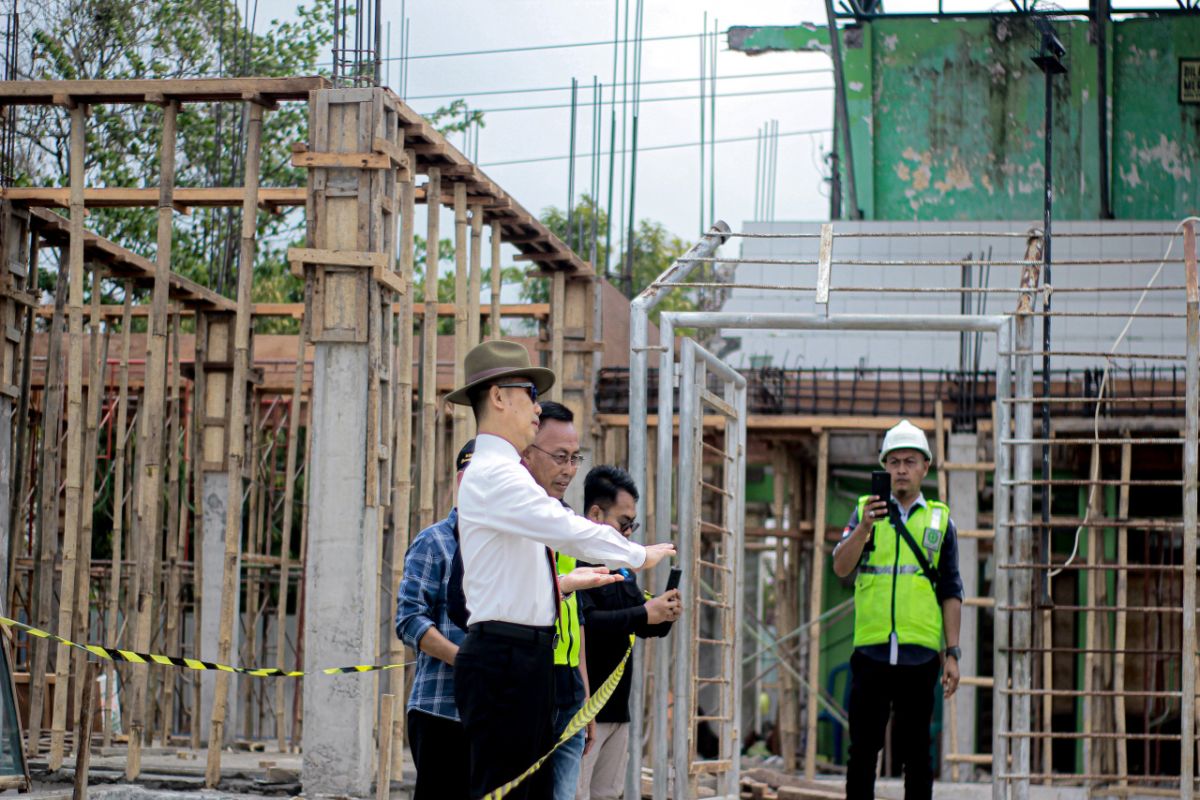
<point x="1014" y="443"/>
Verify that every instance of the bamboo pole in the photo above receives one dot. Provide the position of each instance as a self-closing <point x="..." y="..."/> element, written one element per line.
<point x="285" y="546"/>
<point x="462" y="286"/>
<point x="237" y="441"/>
<point x="297" y="706"/>
<point x="474" y="296"/>
<point x="182" y="532"/>
<point x="1122" y="622"/>
<point x="816" y="582"/>
<point x="497" y="281"/>
<point x="97" y="361"/>
<point x="387" y="716"/>
<point x="118" y="532"/>
<point x="17" y="506"/>
<point x="198" y="425"/>
<point x="83" y="733"/>
<point x="1089" y="617"/>
<point x="250" y="623"/>
<point x="788" y="739"/>
<point x="402" y="448"/>
<point x="148" y="523"/>
<point x="46" y="529"/>
<point x="939" y="433"/>
<point x="75" y="424"/>
<point x="558" y="303"/>
<point x="171" y="628"/>
<point x="433" y="193"/>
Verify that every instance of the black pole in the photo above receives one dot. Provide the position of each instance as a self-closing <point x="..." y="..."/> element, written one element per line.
<point x="1049" y="60"/>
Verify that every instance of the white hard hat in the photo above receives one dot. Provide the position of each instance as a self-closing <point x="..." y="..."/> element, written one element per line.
<point x="904" y="436"/>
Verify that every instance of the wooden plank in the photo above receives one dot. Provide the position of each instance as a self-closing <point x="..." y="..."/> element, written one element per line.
<point x="74" y="464"/>
<point x="120" y="197"/>
<point x="428" y="361"/>
<point x="184" y="90"/>
<point x="237" y="444"/>
<point x="496" y="310"/>
<point x="148" y="521"/>
<point x="816" y="579"/>
<point x="310" y="160"/>
<point x="341" y="258"/>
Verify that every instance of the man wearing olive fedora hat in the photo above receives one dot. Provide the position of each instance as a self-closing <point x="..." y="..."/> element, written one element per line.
<point x="508" y="529"/>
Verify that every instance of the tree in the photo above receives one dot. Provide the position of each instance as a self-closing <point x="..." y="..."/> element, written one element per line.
<point x="654" y="250"/>
<point x="127" y="39"/>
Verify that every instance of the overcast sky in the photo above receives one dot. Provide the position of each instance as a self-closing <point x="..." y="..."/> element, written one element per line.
<point x="668" y="181"/>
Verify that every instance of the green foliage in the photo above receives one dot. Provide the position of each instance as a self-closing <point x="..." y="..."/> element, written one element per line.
<point x="455" y="118"/>
<point x="655" y="249"/>
<point x="130" y="39"/>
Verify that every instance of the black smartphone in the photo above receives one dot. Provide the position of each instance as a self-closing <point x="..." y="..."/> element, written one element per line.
<point x="881" y="484"/>
<point x="673" y="578"/>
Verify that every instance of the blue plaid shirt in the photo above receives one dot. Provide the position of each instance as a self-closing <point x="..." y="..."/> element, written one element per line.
<point x="421" y="604"/>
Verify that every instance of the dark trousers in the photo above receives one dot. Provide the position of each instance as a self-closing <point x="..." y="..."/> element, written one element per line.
<point x="876" y="689"/>
<point x="439" y="750"/>
<point x="504" y="689"/>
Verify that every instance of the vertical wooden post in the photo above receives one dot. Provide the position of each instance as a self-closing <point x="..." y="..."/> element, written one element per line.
<point x="237" y="439"/>
<point x="171" y="628"/>
<point x="199" y="435"/>
<point x="816" y="586"/>
<point x="148" y="525"/>
<point x="97" y="359"/>
<point x="788" y="733"/>
<point x="462" y="333"/>
<point x="17" y="256"/>
<point x="558" y="312"/>
<point x="83" y="733"/>
<point x="403" y="446"/>
<point x="74" y="481"/>
<point x="429" y="370"/>
<point x="1122" y="622"/>
<point x="939" y="433"/>
<point x="474" y="296"/>
<point x="112" y="617"/>
<point x="497" y="282"/>
<point x="285" y="546"/>
<point x="387" y="717"/>
<point x="249" y="622"/>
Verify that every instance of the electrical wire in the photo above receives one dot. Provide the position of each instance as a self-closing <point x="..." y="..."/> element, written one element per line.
<point x="1112" y="353"/>
<point x="538" y="89"/>
<point x="677" y="98"/>
<point x="729" y="140"/>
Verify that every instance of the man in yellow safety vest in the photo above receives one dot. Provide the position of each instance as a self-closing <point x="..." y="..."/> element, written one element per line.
<point x="907" y="596"/>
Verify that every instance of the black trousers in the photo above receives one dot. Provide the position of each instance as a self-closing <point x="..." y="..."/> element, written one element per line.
<point x="876" y="689"/>
<point x="504" y="689"/>
<point x="439" y="750"/>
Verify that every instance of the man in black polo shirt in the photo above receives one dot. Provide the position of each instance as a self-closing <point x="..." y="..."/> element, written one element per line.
<point x="614" y="612"/>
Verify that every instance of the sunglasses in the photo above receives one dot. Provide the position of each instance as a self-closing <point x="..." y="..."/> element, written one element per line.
<point x="529" y="387"/>
<point x="630" y="527"/>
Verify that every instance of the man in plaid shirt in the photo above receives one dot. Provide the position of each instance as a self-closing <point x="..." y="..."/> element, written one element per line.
<point x="435" y="733"/>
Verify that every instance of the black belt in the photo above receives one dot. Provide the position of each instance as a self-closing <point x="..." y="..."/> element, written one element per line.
<point x="535" y="634"/>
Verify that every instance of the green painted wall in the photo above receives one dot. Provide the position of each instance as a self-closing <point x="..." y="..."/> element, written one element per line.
<point x="947" y="117"/>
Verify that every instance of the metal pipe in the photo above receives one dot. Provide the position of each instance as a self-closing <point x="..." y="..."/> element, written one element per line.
<point x="864" y="322"/>
<point x="639" y="339"/>
<point x="662" y="522"/>
<point x="1021" y="585"/>
<point x="1191" y="452"/>
<point x="1000" y="701"/>
<point x="681" y="754"/>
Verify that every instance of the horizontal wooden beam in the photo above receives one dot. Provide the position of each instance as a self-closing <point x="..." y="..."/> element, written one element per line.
<point x="210" y="197"/>
<point x="296" y="310"/>
<point x="122" y="263"/>
<point x="185" y="90"/>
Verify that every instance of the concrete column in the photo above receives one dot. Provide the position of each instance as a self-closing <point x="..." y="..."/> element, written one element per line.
<point x="964" y="510"/>
<point x="215" y="500"/>
<point x="340" y="614"/>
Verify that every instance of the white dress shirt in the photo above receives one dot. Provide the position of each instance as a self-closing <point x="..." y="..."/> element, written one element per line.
<point x="505" y="522"/>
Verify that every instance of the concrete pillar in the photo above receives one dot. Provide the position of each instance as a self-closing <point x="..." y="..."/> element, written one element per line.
<point x="349" y="266"/>
<point x="215" y="500"/>
<point x="340" y="613"/>
<point x="964" y="510"/>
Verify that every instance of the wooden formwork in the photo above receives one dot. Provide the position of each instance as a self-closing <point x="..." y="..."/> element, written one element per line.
<point x="194" y="391"/>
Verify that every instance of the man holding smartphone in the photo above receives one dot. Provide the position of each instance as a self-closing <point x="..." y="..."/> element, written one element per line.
<point x="907" y="596"/>
<point x="613" y="613"/>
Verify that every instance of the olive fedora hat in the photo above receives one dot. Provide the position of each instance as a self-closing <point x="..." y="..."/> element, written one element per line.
<point x="492" y="360"/>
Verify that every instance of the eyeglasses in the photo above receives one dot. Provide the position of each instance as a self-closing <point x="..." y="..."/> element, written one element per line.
<point x="630" y="527"/>
<point x="562" y="459"/>
<point x="529" y="387"/>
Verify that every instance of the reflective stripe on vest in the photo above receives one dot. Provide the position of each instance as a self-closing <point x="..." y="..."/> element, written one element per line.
<point x="566" y="653"/>
<point x="891" y="566"/>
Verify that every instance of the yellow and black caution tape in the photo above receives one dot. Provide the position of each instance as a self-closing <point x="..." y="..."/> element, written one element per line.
<point x="114" y="654"/>
<point x="580" y="721"/>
